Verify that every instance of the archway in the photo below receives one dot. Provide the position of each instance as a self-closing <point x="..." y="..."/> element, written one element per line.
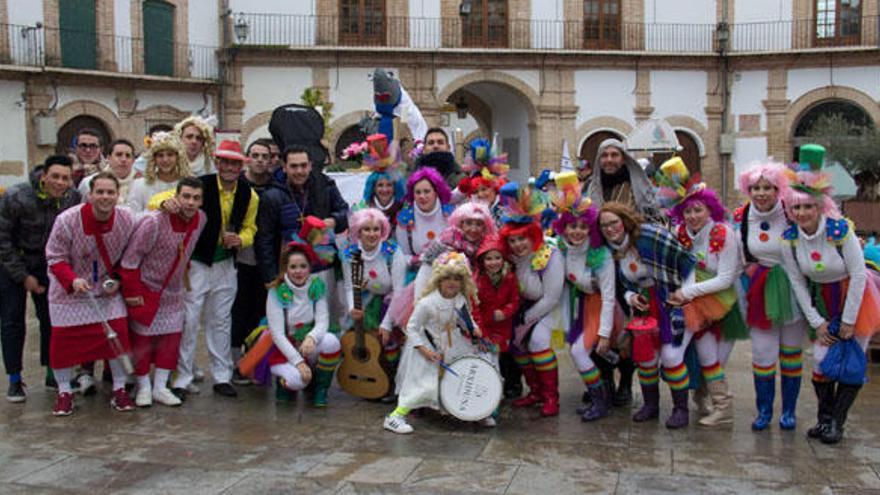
<point x="503" y="104"/>
<point x="831" y="119"/>
<point x="67" y="133"/>
<point x="591" y="145"/>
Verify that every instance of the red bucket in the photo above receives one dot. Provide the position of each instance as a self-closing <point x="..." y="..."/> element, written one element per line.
<point x="646" y="338"/>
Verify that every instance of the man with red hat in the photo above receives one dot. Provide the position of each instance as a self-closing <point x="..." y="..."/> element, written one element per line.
<point x="230" y="206"/>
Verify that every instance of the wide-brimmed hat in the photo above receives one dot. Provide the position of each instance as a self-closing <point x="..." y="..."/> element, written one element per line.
<point x="229" y="149"/>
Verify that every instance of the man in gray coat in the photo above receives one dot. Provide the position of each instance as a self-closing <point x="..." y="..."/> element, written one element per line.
<point x="27" y="213"/>
<point x="617" y="176"/>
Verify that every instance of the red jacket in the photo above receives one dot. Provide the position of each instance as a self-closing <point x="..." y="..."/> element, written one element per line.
<point x="504" y="297"/>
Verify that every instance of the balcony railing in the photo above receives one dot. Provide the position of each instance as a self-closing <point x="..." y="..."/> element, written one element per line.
<point x="299" y="31"/>
<point x="41" y="47"/>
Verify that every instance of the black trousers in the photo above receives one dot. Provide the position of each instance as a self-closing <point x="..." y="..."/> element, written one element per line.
<point x="250" y="303"/>
<point x="13" y="303"/>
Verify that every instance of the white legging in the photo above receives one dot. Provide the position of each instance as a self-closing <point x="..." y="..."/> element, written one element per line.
<point x="670" y="355"/>
<point x="328" y="344"/>
<point x="765" y="343"/>
<point x="710" y="350"/>
<point x="581" y="356"/>
<point x="63" y="376"/>
<point x="541" y="332"/>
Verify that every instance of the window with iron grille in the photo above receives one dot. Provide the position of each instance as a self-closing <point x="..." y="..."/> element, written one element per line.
<point x="602" y="24"/>
<point x="486" y="25"/>
<point x="838" y="22"/>
<point x="362" y="22"/>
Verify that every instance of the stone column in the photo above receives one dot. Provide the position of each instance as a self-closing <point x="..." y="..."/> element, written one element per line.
<point x="643" y="109"/>
<point x="38" y="100"/>
<point x="776" y="105"/>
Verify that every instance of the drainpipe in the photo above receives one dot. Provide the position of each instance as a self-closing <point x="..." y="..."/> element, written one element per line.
<point x="223" y="56"/>
<point x="726" y="140"/>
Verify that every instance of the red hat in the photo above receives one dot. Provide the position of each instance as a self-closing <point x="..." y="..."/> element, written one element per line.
<point x="491" y="243"/>
<point x="229" y="149"/>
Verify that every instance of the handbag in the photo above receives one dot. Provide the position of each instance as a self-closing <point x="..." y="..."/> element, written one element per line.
<point x="845" y="361"/>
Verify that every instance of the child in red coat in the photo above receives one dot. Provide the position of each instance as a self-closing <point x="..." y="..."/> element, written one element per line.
<point x="498" y="291"/>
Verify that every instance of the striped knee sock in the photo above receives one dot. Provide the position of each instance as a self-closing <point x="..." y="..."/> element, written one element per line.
<point x="591" y="377"/>
<point x="544" y="360"/>
<point x="713" y="372"/>
<point x="764" y="372"/>
<point x="677" y="377"/>
<point x="649" y="376"/>
<point x="392" y="354"/>
<point x="791" y="361"/>
<point x="524" y="361"/>
<point x="328" y="362"/>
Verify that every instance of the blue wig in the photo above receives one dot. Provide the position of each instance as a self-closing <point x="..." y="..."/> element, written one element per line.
<point x="373" y="178"/>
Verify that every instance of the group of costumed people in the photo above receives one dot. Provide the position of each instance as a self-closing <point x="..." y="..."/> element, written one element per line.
<point x="594" y="259"/>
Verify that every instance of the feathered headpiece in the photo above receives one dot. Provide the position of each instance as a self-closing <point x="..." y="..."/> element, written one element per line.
<point x="676" y="189"/>
<point x="572" y="206"/>
<point x="808" y="183"/>
<point x="484" y="160"/>
<point x="315" y="239"/>
<point x="524" y="204"/>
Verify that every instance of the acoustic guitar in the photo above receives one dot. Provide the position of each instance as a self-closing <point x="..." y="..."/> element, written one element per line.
<point x="363" y="371"/>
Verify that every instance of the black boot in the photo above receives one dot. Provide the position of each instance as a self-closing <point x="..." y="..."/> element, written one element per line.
<point x="825" y="398"/>
<point x="606" y="371"/>
<point x="843" y="400"/>
<point x="512" y="376"/>
<point x="623" y="397"/>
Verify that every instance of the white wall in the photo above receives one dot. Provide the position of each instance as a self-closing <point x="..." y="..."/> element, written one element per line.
<point x="600" y="93"/>
<point x="547" y="28"/>
<point x="679" y="25"/>
<point x="532" y="78"/>
<point x="680" y="11"/>
<point x="865" y="79"/>
<point x="351" y="90"/>
<point x="265" y="88"/>
<point x="762" y="25"/>
<point x="293" y="7"/>
<point x="679" y="93"/>
<point x="509" y="120"/>
<point x="105" y="96"/>
<point x="204" y="23"/>
<point x="425" y="30"/>
<point x="747" y="151"/>
<point x="296" y="29"/>
<point x="24" y="12"/>
<point x="13" y="129"/>
<point x="122" y="29"/>
<point x="747" y="93"/>
<point x="190" y="102"/>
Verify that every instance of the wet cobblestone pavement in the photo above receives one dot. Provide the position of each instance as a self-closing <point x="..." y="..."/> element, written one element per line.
<point x="254" y="445"/>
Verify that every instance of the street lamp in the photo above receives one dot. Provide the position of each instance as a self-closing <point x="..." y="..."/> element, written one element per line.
<point x="464" y="9"/>
<point x="461" y="108"/>
<point x="241" y="29"/>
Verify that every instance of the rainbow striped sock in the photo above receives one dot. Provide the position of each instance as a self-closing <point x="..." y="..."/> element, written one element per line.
<point x="764" y="372"/>
<point x="819" y="377"/>
<point x="649" y="376"/>
<point x="713" y="372"/>
<point x="791" y="361"/>
<point x="591" y="377"/>
<point x="328" y="362"/>
<point x="522" y="360"/>
<point x="544" y="360"/>
<point x="677" y="377"/>
<point x="392" y="355"/>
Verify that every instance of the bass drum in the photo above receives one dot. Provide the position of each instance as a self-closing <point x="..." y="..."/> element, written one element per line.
<point x="475" y="393"/>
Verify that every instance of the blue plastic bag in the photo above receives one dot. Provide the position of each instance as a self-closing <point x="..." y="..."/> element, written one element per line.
<point x="846" y="361"/>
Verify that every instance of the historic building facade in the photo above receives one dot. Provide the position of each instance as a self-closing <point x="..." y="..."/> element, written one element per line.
<point x="736" y="79"/>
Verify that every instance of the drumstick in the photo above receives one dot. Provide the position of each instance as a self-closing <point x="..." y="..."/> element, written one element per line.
<point x="112" y="337"/>
<point x="447" y="368"/>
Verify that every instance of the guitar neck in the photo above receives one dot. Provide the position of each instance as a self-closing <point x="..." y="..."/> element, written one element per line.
<point x="357" y="278"/>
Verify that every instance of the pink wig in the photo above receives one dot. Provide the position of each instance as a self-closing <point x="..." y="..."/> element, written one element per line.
<point x="794" y="196"/>
<point x="364" y="217"/>
<point x="707" y="196"/>
<point x="773" y="172"/>
<point x="473" y="210"/>
<point x="436" y="180"/>
<point x="590" y="217"/>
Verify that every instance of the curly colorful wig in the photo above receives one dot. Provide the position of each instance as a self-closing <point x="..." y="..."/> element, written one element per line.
<point x="436" y="180"/>
<point x="707" y="196"/>
<point x="772" y="171"/>
<point x="473" y="210"/>
<point x="374" y="177"/>
<point x="452" y="264"/>
<point x="572" y="206"/>
<point x="364" y="217"/>
<point x="529" y="230"/>
<point x="810" y="187"/>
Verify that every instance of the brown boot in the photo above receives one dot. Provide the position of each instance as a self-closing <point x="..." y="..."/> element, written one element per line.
<point x="722" y="405"/>
<point x="702" y="400"/>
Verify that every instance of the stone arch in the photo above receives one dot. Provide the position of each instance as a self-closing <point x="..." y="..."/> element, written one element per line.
<point x="340" y="124"/>
<point x="692" y="127"/>
<point x="798" y="108"/>
<point x="253" y="124"/>
<point x="92" y="108"/>
<point x="598" y="124"/>
<point x="529" y="96"/>
<point x="163" y="113"/>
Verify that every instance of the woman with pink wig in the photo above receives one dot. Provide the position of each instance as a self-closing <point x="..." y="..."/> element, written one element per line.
<point x="775" y="324"/>
<point x="839" y="298"/>
<point x="469" y="224"/>
<point x="711" y="311"/>
<point x="383" y="268"/>
<point x="589" y="307"/>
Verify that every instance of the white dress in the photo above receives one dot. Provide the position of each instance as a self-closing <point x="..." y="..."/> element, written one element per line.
<point x="433" y="325"/>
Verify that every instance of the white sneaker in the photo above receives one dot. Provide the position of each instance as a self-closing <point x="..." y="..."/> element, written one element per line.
<point x="397" y="424"/>
<point x="198" y="375"/>
<point x="488" y="422"/>
<point x="144" y="397"/>
<point x="164" y="396"/>
<point x="86" y="384"/>
<point x="192" y="388"/>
